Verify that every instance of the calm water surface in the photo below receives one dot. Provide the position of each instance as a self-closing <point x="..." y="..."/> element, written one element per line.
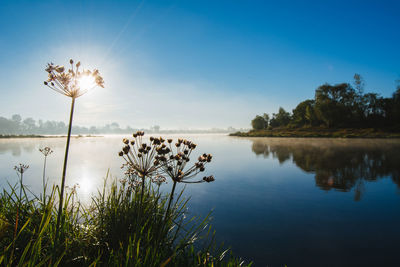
<point x="301" y="202"/>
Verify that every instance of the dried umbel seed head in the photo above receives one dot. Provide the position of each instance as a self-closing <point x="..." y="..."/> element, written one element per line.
<point x="21" y="168"/>
<point x="120" y="153"/>
<point x="126" y="149"/>
<point x="132" y="142"/>
<point x="209" y="178"/>
<point x="134" y="135"/>
<point x="193" y="146"/>
<point x="169" y="141"/>
<point x="72" y="83"/>
<point x="125" y="141"/>
<point x="151" y="138"/>
<point x="46" y="151"/>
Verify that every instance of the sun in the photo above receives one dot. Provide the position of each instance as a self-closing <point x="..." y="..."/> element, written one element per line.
<point x="86" y="82"/>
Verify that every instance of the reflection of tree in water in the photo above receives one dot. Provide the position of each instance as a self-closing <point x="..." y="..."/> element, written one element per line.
<point x="338" y="164"/>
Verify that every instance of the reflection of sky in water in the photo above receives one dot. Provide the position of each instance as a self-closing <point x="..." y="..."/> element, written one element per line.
<point x="281" y="201"/>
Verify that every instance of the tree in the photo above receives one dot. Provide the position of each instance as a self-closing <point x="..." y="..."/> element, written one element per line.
<point x="266" y="119"/>
<point x="359" y="84"/>
<point x="16" y="118"/>
<point x="155" y="128"/>
<point x="282" y="118"/>
<point x="303" y="113"/>
<point x="334" y="104"/>
<point x="374" y="112"/>
<point x="29" y="125"/>
<point x="396" y="104"/>
<point x="259" y="123"/>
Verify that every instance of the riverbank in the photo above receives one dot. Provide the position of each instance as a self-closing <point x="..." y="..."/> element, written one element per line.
<point x="320" y="132"/>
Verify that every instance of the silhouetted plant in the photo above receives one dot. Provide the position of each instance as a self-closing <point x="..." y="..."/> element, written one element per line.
<point x="141" y="157"/>
<point x="174" y="160"/>
<point x="45" y="151"/>
<point x="72" y="83"/>
<point x="162" y="158"/>
<point x="21" y="169"/>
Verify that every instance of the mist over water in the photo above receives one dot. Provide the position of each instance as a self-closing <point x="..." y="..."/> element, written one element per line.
<point x="275" y="200"/>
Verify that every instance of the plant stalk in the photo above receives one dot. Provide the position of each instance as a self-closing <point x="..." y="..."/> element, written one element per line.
<point x="171" y="197"/>
<point x="64" y="169"/>
<point x="44" y="181"/>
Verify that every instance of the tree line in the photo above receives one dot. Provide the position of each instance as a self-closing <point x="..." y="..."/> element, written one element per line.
<point x="16" y="125"/>
<point x="338" y="106"/>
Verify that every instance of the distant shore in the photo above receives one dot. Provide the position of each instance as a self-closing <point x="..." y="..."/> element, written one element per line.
<point x="43" y="136"/>
<point x="320" y="132"/>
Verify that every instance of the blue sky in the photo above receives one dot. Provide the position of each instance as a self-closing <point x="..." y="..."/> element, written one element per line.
<point x="193" y="64"/>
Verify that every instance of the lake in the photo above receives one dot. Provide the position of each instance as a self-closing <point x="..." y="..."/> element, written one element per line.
<point x="295" y="201"/>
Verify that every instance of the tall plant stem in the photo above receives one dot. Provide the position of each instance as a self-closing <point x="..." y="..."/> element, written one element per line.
<point x="44" y="171"/>
<point x="44" y="181"/>
<point x="17" y="215"/>
<point x="171" y="197"/>
<point x="141" y="196"/>
<point x="64" y="169"/>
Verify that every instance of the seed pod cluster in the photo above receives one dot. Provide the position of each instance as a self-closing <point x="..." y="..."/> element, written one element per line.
<point x="160" y="156"/>
<point x="67" y="82"/>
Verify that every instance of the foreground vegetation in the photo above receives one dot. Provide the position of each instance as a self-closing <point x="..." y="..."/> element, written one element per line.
<point x="120" y="227"/>
<point x="320" y="132"/>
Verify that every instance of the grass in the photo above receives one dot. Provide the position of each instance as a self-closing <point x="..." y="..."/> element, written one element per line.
<point x="321" y="132"/>
<point x="120" y="227"/>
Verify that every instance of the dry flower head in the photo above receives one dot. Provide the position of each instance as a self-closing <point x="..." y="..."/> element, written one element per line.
<point x="73" y="82"/>
<point x="46" y="151"/>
